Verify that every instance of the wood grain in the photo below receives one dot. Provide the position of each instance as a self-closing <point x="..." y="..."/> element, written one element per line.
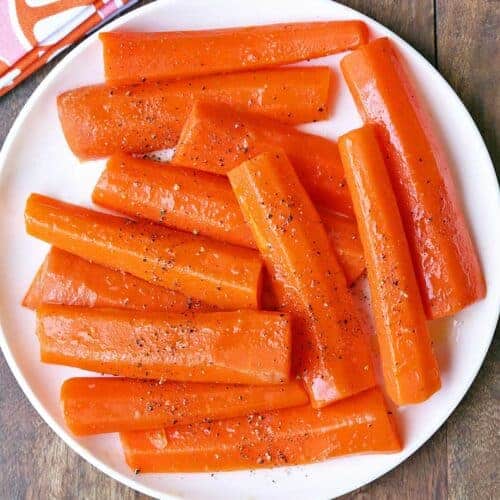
<point x="459" y="462"/>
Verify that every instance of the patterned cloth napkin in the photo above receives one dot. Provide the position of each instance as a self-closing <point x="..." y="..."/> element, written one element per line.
<point x="32" y="32"/>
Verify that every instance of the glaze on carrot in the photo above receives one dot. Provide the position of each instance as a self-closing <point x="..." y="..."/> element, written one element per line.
<point x="216" y="138"/>
<point x="291" y="436"/>
<point x="410" y="369"/>
<point x="94" y="405"/>
<point x="132" y="57"/>
<point x="100" y="120"/>
<point x="445" y="260"/>
<point x="66" y="279"/>
<point x="245" y="347"/>
<point x="331" y="350"/>
<point x="226" y="276"/>
<point x="192" y="200"/>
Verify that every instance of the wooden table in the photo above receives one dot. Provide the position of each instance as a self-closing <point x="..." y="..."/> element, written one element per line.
<point x="461" y="39"/>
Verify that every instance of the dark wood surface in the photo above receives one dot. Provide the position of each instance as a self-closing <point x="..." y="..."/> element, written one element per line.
<point x="461" y="38"/>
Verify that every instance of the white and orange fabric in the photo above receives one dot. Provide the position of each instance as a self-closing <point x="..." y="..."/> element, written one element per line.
<point x="32" y="32"/>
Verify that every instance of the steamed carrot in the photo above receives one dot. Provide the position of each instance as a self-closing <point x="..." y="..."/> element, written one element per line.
<point x="410" y="369"/>
<point x="246" y="347"/>
<point x="290" y="436"/>
<point x="100" y="120"/>
<point x="66" y="279"/>
<point x="331" y="350"/>
<point x="97" y="405"/>
<point x="225" y="276"/>
<point x="445" y="260"/>
<point x="216" y="138"/>
<point x="132" y="57"/>
<point x="204" y="203"/>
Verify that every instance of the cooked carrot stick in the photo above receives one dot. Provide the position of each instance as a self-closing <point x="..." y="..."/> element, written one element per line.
<point x="134" y="57"/>
<point x="445" y="260"/>
<point x="97" y="405"/>
<point x="99" y="120"/>
<point x="217" y="138"/>
<point x="331" y="350"/>
<point x="66" y="279"/>
<point x="225" y="276"/>
<point x="246" y="347"/>
<point x="197" y="201"/>
<point x="290" y="436"/>
<point x="410" y="369"/>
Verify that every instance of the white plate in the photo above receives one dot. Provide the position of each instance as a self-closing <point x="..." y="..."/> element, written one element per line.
<point x="35" y="157"/>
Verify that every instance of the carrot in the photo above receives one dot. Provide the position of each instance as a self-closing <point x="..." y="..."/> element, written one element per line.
<point x="290" y="436"/>
<point x="66" y="279"/>
<point x="331" y="351"/>
<point x="100" y="120"/>
<point x="197" y="201"/>
<point x="216" y="138"/>
<point x="222" y="275"/>
<point x="246" y="347"/>
<point x="98" y="405"/>
<point x="446" y="263"/>
<point x="134" y="57"/>
<point x="410" y="369"/>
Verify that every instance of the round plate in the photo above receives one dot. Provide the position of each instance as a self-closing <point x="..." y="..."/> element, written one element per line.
<point x="35" y="157"/>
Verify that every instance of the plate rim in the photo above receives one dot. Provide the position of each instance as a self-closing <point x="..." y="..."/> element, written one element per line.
<point x="11" y="362"/>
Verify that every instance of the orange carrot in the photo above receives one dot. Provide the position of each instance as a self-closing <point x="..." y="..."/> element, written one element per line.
<point x="66" y="279"/>
<point x="98" y="405"/>
<point x="132" y="57"/>
<point x="411" y="372"/>
<point x="225" y="276"/>
<point x="197" y="201"/>
<point x="245" y="347"/>
<point x="331" y="350"/>
<point x="445" y="260"/>
<point x="100" y="120"/>
<point x="291" y="436"/>
<point x="216" y="138"/>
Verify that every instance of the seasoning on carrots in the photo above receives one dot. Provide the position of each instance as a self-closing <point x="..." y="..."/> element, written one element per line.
<point x="100" y="120"/>
<point x="246" y="347"/>
<point x="445" y="260"/>
<point x="331" y="350"/>
<point x="410" y="369"/>
<point x="225" y="276"/>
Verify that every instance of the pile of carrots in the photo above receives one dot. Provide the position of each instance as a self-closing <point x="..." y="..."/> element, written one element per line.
<point x="219" y="297"/>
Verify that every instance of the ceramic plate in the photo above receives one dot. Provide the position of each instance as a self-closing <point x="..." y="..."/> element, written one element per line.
<point x="35" y="157"/>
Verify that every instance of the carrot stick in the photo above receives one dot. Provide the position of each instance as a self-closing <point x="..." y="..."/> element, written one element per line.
<point x="100" y="120"/>
<point x="66" y="279"/>
<point x="410" y="369"/>
<point x="245" y="347"/>
<point x="222" y="275"/>
<point x="98" y="405"/>
<point x="331" y="351"/>
<point x="290" y="436"/>
<point x="197" y="201"/>
<point x="134" y="57"/>
<point x="216" y="138"/>
<point x="445" y="260"/>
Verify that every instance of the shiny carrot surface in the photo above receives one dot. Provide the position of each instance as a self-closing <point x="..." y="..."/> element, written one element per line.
<point x="133" y="57"/>
<point x="66" y="279"/>
<point x="445" y="260"/>
<point x="291" y="436"/>
<point x="203" y="203"/>
<point x="94" y="405"/>
<point x="216" y="138"/>
<point x="331" y="350"/>
<point x="247" y="347"/>
<point x="226" y="276"/>
<point x="410" y="369"/>
<point x="100" y="120"/>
